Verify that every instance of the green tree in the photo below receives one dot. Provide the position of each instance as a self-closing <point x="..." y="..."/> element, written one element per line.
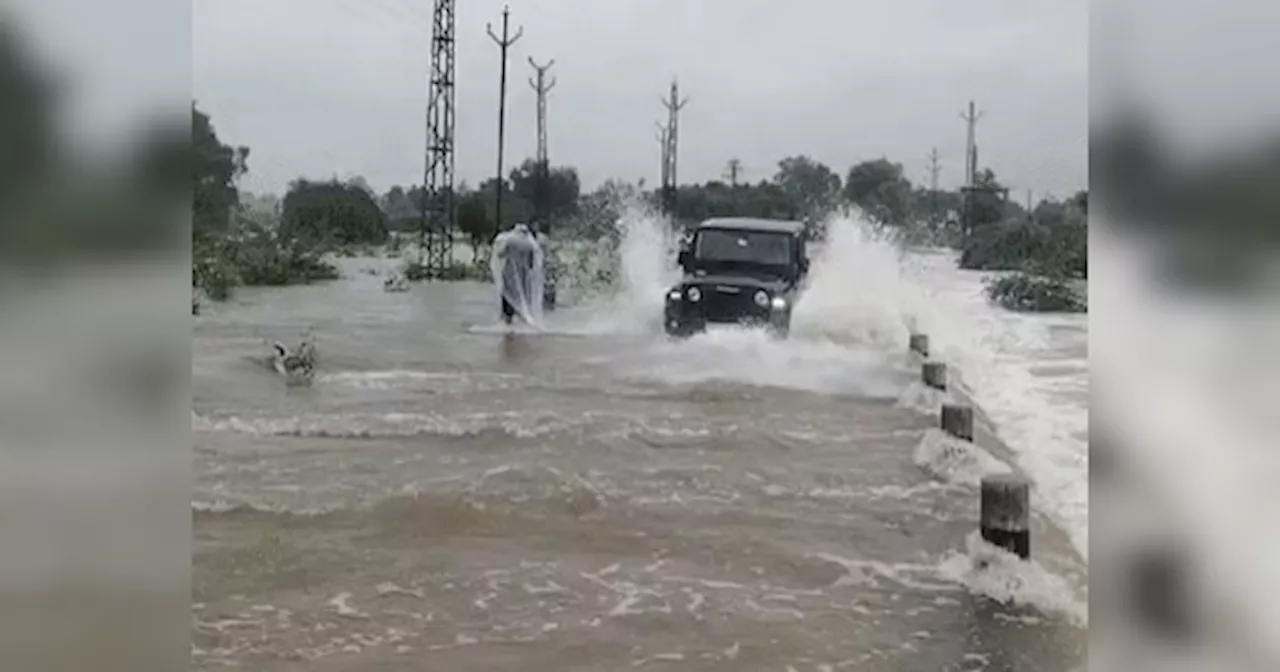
<point x="398" y="205"/>
<point x="563" y="189"/>
<point x="475" y="222"/>
<point x="215" y="169"/>
<point x="810" y="186"/>
<point x="881" y="190"/>
<point x="332" y="213"/>
<point x="515" y="208"/>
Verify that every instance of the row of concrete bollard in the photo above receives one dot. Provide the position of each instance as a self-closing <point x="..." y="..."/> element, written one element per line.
<point x="1005" y="511"/>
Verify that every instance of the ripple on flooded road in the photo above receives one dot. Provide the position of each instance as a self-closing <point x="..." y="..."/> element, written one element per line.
<point x="468" y="500"/>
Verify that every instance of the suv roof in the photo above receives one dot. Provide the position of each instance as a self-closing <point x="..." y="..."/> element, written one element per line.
<point x="752" y="224"/>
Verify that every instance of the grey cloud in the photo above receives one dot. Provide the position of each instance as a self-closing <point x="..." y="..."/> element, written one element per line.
<point x="323" y="86"/>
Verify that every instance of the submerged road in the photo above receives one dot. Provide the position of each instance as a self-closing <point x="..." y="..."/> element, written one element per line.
<point x="447" y="496"/>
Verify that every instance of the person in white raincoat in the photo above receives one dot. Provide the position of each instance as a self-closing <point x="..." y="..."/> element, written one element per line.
<point x="517" y="269"/>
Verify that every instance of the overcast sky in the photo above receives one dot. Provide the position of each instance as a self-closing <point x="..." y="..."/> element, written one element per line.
<point x="323" y="87"/>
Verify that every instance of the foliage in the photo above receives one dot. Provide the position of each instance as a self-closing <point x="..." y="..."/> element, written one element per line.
<point x="215" y="169"/>
<point x="212" y="270"/>
<point x="1052" y="241"/>
<point x="265" y="258"/>
<point x="332" y="213"/>
<point x="600" y="210"/>
<point x="587" y="269"/>
<point x="474" y="272"/>
<point x="234" y="245"/>
<point x="881" y="190"/>
<point x="1026" y="292"/>
<point x="561" y="192"/>
<point x="474" y="222"/>
<point x="1048" y="250"/>
<point x="717" y="199"/>
<point x="938" y="215"/>
<point x="811" y="186"/>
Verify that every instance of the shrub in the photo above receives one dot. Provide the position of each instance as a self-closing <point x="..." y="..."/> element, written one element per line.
<point x="457" y="271"/>
<point x="266" y="261"/>
<point x="1025" y="292"/>
<point x="260" y="258"/>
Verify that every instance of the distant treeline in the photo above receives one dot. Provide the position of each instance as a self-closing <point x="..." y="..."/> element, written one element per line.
<point x="265" y="240"/>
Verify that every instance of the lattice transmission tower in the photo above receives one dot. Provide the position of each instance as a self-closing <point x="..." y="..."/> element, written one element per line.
<point x="438" y="207"/>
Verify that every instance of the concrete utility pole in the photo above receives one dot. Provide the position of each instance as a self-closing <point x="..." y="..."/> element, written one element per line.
<point x="935" y="168"/>
<point x="971" y="147"/>
<point x="503" y="44"/>
<point x="437" y="205"/>
<point x="665" y="145"/>
<point x="542" y="87"/>
<point x="673" y="104"/>
<point x="732" y="171"/>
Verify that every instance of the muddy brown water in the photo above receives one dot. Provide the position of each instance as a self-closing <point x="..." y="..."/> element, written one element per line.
<point x="447" y="496"/>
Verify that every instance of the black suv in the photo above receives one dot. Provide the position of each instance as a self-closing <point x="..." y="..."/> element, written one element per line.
<point x="738" y="271"/>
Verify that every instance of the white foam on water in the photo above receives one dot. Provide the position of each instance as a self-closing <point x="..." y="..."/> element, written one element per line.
<point x="997" y="354"/>
<point x="954" y="461"/>
<point x="993" y="354"/>
<point x="857" y="292"/>
<point x="865" y="291"/>
<point x="923" y="399"/>
<point x="518" y="424"/>
<point x="755" y="358"/>
<point x="994" y="573"/>
<point x="817" y="357"/>
<point x="646" y="252"/>
<point x="863" y="297"/>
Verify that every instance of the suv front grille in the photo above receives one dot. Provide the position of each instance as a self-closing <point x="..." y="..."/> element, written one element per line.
<point x="720" y="305"/>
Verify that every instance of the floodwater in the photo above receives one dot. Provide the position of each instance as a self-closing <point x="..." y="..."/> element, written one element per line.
<point x="453" y="495"/>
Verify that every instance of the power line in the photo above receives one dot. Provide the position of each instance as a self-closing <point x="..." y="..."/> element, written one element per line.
<point x="503" y="44"/>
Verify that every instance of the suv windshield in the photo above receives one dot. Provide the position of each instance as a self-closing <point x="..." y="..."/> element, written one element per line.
<point x="753" y="247"/>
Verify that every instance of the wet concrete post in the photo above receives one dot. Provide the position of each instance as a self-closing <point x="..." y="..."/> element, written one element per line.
<point x="1005" y="516"/>
<point x="934" y="374"/>
<point x="957" y="420"/>
<point x="918" y="344"/>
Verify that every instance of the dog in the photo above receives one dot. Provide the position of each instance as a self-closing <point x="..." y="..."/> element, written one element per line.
<point x="298" y="367"/>
<point x="396" y="283"/>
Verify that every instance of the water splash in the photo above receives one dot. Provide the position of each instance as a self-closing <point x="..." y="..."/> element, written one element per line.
<point x="856" y="291"/>
<point x="627" y="298"/>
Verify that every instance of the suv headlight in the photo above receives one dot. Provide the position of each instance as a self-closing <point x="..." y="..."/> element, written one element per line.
<point x="778" y="303"/>
<point x="762" y="298"/>
<point x="673" y="295"/>
<point x="694" y="294"/>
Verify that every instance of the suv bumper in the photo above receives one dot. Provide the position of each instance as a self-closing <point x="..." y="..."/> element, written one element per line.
<point x="682" y="317"/>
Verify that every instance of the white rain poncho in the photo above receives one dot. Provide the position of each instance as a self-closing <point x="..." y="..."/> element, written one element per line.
<point x="517" y="267"/>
